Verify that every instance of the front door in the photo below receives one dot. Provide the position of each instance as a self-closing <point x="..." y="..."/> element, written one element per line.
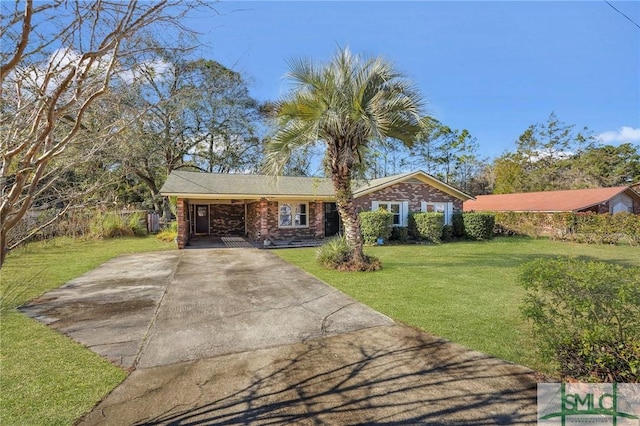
<point x="202" y="219"/>
<point x="331" y="220"/>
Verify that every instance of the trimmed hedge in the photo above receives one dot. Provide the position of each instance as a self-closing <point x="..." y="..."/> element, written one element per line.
<point x="427" y="226"/>
<point x="478" y="226"/>
<point x="588" y="228"/>
<point x="457" y="225"/>
<point x="374" y="225"/>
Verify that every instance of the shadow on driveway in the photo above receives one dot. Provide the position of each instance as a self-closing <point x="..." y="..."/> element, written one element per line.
<point x="382" y="375"/>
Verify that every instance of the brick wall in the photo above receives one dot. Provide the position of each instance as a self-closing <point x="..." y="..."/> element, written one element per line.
<point x="415" y="193"/>
<point x="183" y="223"/>
<point x="226" y="220"/>
<point x="253" y="221"/>
<point x="264" y="226"/>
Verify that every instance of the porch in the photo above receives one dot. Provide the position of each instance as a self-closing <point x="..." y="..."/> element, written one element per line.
<point x="206" y="242"/>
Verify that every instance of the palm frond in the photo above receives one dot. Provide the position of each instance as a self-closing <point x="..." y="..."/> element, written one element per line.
<point x="345" y="103"/>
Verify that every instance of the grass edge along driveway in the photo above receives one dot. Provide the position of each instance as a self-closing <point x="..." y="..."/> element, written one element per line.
<point x="45" y="377"/>
<point x="466" y="292"/>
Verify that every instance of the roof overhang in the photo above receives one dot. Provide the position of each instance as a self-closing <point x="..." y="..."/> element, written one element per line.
<point x="247" y="197"/>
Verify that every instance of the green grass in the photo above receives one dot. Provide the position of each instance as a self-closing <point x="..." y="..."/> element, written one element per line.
<point x="466" y="292"/>
<point x="45" y="377"/>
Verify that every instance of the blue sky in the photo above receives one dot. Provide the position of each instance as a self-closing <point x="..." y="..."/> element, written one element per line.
<point x="493" y="68"/>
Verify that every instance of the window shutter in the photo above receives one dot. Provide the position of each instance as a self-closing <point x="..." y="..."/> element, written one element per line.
<point x="423" y="206"/>
<point x="448" y="213"/>
<point x="404" y="214"/>
<point x="374" y="206"/>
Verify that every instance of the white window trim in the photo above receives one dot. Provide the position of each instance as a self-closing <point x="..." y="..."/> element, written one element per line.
<point x="447" y="209"/>
<point x="404" y="210"/>
<point x="293" y="205"/>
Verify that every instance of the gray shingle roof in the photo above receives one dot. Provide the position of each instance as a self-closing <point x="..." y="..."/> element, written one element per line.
<point x="181" y="182"/>
<point x="249" y="186"/>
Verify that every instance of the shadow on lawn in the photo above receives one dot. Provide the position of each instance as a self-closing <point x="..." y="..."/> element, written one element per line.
<point x="421" y="381"/>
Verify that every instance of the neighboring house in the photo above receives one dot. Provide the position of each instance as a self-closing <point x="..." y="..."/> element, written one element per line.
<point x="597" y="200"/>
<point x="263" y="207"/>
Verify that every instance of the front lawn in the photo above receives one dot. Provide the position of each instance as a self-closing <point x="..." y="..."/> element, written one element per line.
<point x="45" y="377"/>
<point x="466" y="292"/>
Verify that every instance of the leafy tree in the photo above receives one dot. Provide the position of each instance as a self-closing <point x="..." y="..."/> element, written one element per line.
<point x="188" y="114"/>
<point x="509" y="174"/>
<point x="226" y="119"/>
<point x="543" y="157"/>
<point x="345" y="104"/>
<point x="607" y="166"/>
<point x="56" y="60"/>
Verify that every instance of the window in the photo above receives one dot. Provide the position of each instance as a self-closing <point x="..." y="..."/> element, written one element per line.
<point x="444" y="208"/>
<point x="399" y="209"/>
<point x="435" y="207"/>
<point x="393" y="208"/>
<point x="292" y="215"/>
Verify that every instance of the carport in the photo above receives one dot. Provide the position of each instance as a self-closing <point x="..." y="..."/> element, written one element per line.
<point x="218" y="218"/>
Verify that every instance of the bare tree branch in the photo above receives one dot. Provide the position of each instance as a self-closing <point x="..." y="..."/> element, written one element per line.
<point x="47" y="94"/>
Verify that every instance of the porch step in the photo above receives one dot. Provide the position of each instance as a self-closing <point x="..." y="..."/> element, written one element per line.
<point x="236" y="242"/>
<point x="295" y="244"/>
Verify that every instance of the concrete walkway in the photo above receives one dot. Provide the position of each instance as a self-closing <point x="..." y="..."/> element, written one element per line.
<point x="238" y="336"/>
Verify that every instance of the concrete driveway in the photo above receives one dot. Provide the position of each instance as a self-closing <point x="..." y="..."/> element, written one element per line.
<point x="238" y="336"/>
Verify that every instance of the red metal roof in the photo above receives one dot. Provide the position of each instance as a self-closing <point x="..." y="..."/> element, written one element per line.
<point x="547" y="201"/>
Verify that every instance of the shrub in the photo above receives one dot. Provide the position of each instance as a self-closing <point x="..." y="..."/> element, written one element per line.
<point x="429" y="226"/>
<point x="532" y="224"/>
<point x="137" y="224"/>
<point x="590" y="227"/>
<point x="337" y="254"/>
<point x="113" y="224"/>
<point x="447" y="233"/>
<point x="457" y="223"/>
<point x="586" y="316"/>
<point x="478" y="226"/>
<point x="629" y="225"/>
<point x="169" y="233"/>
<point x="374" y="225"/>
<point x="399" y="233"/>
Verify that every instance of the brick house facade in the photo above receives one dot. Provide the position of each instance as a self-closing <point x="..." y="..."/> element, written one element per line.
<point x="414" y="192"/>
<point x="287" y="208"/>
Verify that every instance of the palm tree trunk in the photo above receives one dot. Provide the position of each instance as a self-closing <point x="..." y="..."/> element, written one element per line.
<point x="341" y="178"/>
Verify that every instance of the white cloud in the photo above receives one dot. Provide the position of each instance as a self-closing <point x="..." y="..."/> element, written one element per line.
<point x="625" y="134"/>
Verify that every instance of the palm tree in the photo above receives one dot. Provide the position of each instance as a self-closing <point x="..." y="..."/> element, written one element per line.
<point x="344" y="104"/>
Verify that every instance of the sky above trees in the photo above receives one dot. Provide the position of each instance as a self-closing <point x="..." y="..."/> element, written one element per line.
<point x="493" y="68"/>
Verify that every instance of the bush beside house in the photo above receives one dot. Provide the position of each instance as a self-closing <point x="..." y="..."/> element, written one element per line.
<point x="478" y="226"/>
<point x="376" y="224"/>
<point x="586" y="316"/>
<point x="427" y="226"/>
<point x="576" y="227"/>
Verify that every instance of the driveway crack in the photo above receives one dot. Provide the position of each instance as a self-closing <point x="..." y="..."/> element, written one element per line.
<point x="323" y="326"/>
